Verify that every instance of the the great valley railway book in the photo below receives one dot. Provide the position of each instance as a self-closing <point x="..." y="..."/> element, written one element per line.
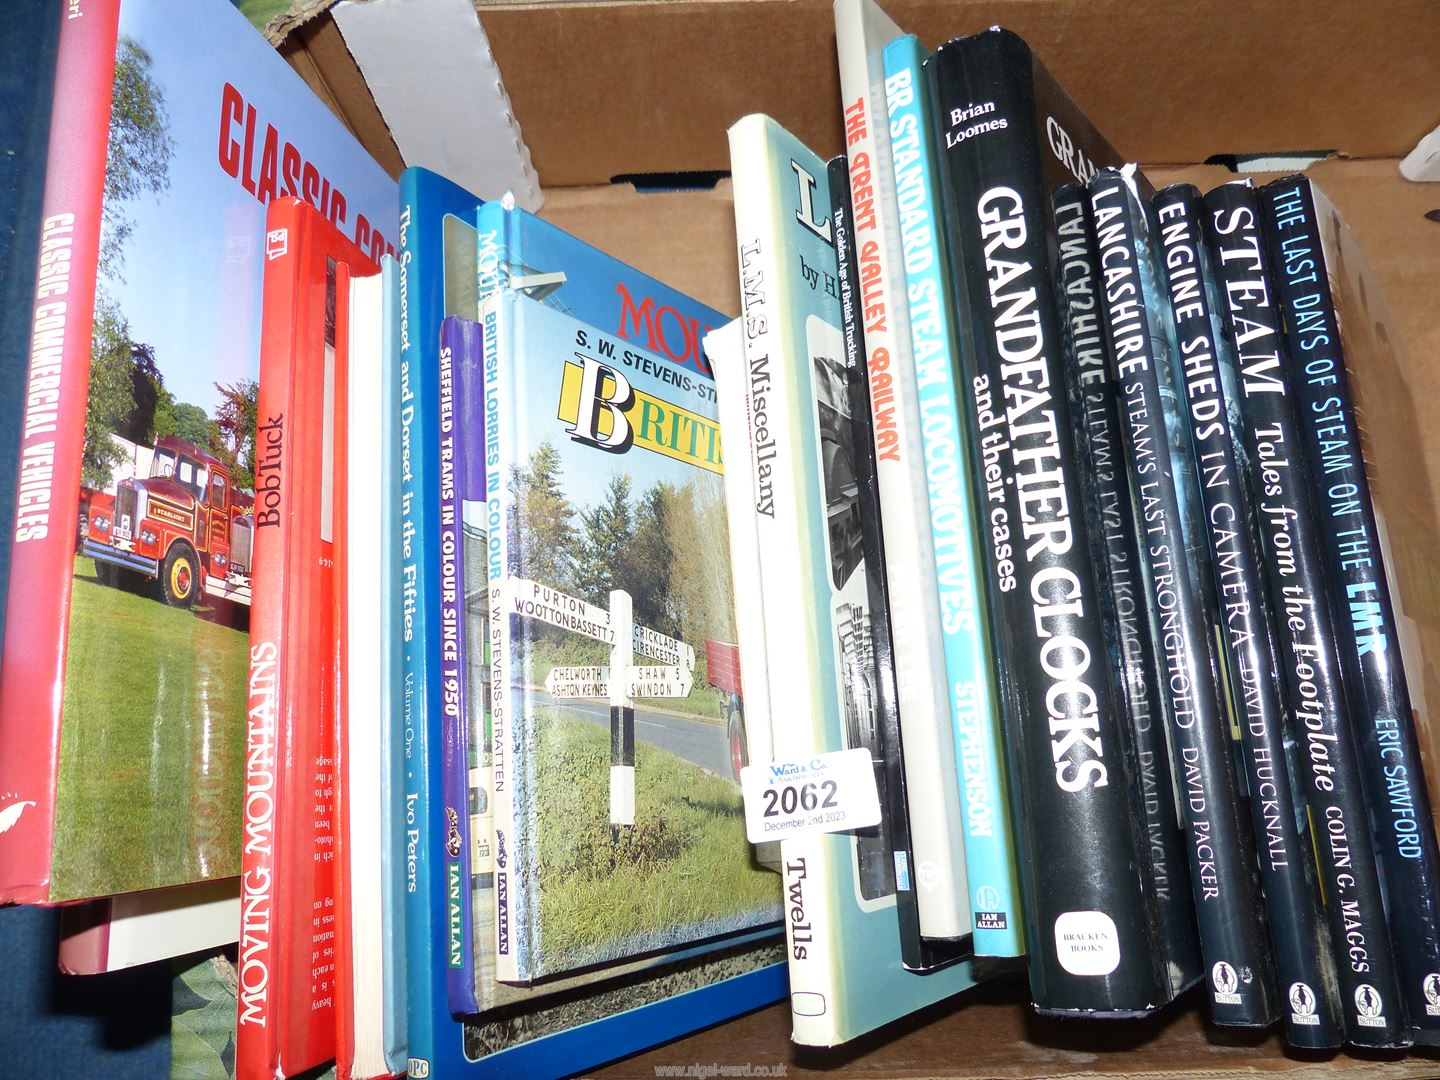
<point x="124" y="701"/>
<point x="1304" y="237"/>
<point x="916" y="952"/>
<point x="1291" y="541"/>
<point x="990" y="867"/>
<point x="1124" y="600"/>
<point x="1224" y="875"/>
<point x="862" y="31"/>
<point x="289" y="922"/>
<point x="843" y="936"/>
<point x="1010" y="136"/>
<point x="1304" y="963"/>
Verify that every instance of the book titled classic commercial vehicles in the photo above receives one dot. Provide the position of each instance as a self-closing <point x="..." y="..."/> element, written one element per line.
<point x="184" y="525"/>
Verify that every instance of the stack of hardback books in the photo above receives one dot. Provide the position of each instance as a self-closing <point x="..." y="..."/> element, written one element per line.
<point x="1058" y="506"/>
<point x="384" y="667"/>
<point x="435" y="635"/>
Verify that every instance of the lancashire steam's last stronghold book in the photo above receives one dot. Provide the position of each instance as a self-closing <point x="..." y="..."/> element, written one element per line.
<point x="181" y="125"/>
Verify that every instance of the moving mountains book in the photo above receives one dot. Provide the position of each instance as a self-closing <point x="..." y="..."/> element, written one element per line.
<point x="618" y="826"/>
<point x="122" y="746"/>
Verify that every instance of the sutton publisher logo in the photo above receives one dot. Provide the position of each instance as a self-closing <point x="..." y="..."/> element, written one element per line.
<point x="1369" y="1006"/>
<point x="1302" y="1004"/>
<point x="1226" y="983"/>
<point x="1430" y="985"/>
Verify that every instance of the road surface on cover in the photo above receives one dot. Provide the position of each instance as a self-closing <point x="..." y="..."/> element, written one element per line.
<point x="696" y="741"/>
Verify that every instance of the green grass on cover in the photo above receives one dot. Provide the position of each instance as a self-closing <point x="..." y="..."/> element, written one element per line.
<point x="572" y="650"/>
<point x="260" y="12"/>
<point x="685" y="860"/>
<point x="152" y="753"/>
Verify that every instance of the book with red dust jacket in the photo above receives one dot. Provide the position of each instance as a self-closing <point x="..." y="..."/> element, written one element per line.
<point x="123" y="678"/>
<point x="289" y="920"/>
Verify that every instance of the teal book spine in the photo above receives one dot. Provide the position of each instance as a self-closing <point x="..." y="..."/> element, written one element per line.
<point x="435" y="230"/>
<point x="968" y="650"/>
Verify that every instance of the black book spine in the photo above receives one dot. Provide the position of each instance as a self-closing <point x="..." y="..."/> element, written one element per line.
<point x="1290" y="537"/>
<point x="1298" y="932"/>
<point x="1124" y="607"/>
<point x="1360" y="600"/>
<point x="1224" y="876"/>
<point x="916" y="953"/>
<point x="1091" y="929"/>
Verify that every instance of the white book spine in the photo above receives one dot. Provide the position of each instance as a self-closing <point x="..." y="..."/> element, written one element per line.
<point x="364" y="724"/>
<point x="775" y="384"/>
<point x="926" y="726"/>
<point x="726" y="350"/>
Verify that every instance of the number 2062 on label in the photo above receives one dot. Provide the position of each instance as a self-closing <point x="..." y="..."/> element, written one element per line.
<point x="827" y="793"/>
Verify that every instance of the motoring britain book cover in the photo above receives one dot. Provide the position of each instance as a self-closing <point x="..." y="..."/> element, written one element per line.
<point x="518" y="252"/>
<point x="619" y="828"/>
<point x="181" y="126"/>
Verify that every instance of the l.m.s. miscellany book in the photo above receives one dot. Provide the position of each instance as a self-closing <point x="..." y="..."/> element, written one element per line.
<point x="847" y="973"/>
<point x="124" y="700"/>
<point x="618" y="825"/>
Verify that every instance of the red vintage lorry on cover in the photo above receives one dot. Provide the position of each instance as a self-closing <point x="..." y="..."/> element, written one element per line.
<point x="722" y="671"/>
<point x="185" y="526"/>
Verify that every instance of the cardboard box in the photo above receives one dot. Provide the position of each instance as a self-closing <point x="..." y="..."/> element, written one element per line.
<point x="621" y="89"/>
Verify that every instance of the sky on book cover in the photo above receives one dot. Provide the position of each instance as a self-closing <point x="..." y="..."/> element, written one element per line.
<point x="208" y="125"/>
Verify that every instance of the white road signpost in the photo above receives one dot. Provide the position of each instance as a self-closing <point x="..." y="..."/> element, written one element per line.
<point x="621" y="682"/>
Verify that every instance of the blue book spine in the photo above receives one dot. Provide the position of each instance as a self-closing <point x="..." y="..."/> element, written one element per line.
<point x="974" y="704"/>
<point x="392" y="683"/>
<point x="458" y="339"/>
<point x="426" y="201"/>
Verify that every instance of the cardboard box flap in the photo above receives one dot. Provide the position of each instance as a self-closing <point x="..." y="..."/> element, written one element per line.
<point x="608" y="89"/>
